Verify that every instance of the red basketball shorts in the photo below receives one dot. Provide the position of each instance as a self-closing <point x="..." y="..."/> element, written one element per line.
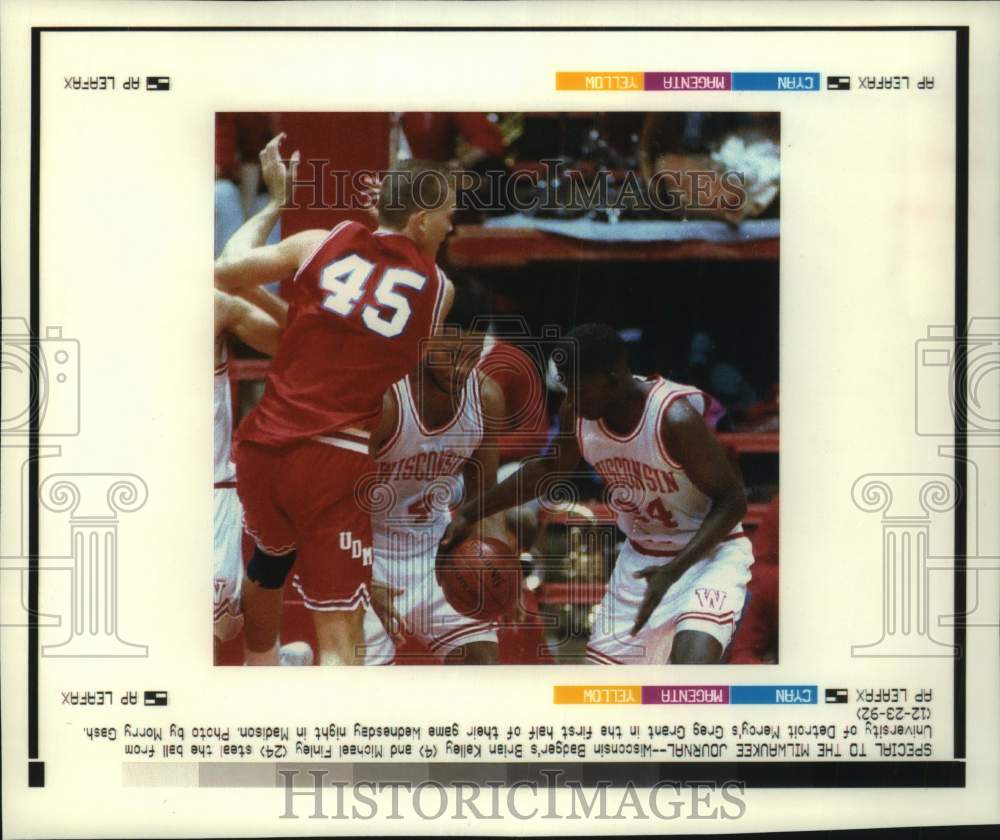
<point x="305" y="498"/>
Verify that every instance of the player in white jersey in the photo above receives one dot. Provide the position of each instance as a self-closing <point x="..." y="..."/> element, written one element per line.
<point x="679" y="583"/>
<point x="437" y="437"/>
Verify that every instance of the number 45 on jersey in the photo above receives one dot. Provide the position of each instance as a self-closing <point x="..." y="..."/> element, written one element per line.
<point x="346" y="281"/>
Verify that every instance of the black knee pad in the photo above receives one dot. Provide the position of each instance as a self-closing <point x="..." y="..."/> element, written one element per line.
<point x="268" y="570"/>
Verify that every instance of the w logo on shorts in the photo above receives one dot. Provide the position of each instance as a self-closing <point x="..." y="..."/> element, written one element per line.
<point x="711" y="599"/>
<point x="359" y="551"/>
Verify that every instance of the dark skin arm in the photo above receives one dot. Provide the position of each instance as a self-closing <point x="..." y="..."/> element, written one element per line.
<point x="690" y="443"/>
<point x="383" y="595"/>
<point x="519" y="488"/>
<point x="387" y="424"/>
<point x="480" y="473"/>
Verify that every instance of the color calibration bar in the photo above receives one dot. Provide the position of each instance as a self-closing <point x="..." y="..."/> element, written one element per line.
<point x="687" y="81"/>
<point x="701" y="695"/>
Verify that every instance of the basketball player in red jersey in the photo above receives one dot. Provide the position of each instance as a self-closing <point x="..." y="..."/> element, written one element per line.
<point x="362" y="305"/>
<point x="679" y="584"/>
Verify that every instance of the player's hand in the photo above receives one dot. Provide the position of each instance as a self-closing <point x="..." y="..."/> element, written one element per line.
<point x="659" y="579"/>
<point x="278" y="177"/>
<point x="384" y="604"/>
<point x="456" y="531"/>
<point x="442" y="563"/>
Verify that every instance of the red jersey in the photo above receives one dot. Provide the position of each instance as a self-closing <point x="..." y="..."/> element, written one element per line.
<point x="360" y="308"/>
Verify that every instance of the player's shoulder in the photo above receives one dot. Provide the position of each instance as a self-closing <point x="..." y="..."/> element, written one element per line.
<point x="683" y="404"/>
<point x="683" y="425"/>
<point x="490" y="393"/>
<point x="351" y="226"/>
<point x="347" y="230"/>
<point x="502" y="352"/>
<point x="679" y="411"/>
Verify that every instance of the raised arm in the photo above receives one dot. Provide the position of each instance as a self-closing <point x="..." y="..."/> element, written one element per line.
<point x="481" y="470"/>
<point x="268" y="263"/>
<point x="246" y="261"/>
<point x="249" y="323"/>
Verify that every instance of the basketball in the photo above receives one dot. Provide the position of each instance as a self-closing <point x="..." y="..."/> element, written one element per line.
<point x="482" y="579"/>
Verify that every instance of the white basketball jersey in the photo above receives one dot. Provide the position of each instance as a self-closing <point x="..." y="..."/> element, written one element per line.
<point x="224" y="469"/>
<point x="420" y="472"/>
<point x="658" y="506"/>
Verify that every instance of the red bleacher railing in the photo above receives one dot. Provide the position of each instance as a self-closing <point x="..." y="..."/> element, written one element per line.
<point x="604" y="515"/>
<point x="570" y="593"/>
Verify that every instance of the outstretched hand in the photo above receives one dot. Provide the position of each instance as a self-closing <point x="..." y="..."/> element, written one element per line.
<point x="278" y="177"/>
<point x="659" y="579"/>
<point x="455" y="533"/>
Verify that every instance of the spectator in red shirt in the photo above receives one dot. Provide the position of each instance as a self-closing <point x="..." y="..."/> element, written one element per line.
<point x="432" y="135"/>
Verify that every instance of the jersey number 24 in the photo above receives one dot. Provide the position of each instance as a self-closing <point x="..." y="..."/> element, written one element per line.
<point x="345" y="281"/>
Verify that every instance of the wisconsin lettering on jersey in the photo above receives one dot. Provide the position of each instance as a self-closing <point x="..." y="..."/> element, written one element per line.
<point x="620" y="471"/>
<point x="424" y="466"/>
<point x="657" y="503"/>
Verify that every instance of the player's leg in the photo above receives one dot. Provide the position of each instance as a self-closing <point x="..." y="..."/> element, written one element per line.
<point x="384" y="622"/>
<point x="379" y="647"/>
<point x="693" y="647"/>
<point x="228" y="567"/>
<point x="473" y="653"/>
<point x="333" y="529"/>
<point x="263" y="594"/>
<point x="340" y="636"/>
<point x="257" y="472"/>
<point x="706" y="604"/>
<point x="455" y="638"/>
<point x="611" y="641"/>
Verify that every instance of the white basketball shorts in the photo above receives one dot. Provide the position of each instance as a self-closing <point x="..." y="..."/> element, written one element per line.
<point x="422" y="605"/>
<point x="708" y="597"/>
